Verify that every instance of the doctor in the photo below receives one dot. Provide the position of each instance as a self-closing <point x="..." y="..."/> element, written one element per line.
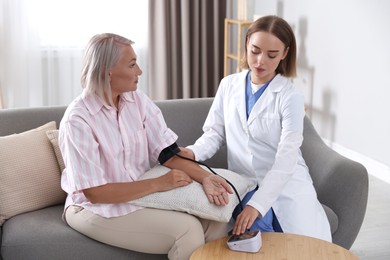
<point x="259" y="115"/>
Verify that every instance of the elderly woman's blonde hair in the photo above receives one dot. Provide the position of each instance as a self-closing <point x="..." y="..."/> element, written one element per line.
<point x="101" y="54"/>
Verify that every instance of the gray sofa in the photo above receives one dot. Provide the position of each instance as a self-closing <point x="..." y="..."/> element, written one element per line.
<point x="342" y="187"/>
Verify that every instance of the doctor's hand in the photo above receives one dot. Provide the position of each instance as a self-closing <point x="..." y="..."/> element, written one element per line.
<point x="245" y="220"/>
<point x="187" y="153"/>
<point x="217" y="189"/>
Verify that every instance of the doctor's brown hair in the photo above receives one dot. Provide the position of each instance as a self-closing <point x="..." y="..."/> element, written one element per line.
<point x="282" y="30"/>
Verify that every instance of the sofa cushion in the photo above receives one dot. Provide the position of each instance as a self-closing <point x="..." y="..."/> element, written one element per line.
<point x="42" y="235"/>
<point x="192" y="199"/>
<point x="29" y="173"/>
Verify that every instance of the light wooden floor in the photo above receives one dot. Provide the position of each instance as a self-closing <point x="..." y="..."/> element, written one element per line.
<point x="373" y="241"/>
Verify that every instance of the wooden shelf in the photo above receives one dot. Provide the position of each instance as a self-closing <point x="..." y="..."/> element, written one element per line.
<point x="241" y="26"/>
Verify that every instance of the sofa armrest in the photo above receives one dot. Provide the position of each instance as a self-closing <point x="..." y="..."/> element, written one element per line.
<point x="341" y="184"/>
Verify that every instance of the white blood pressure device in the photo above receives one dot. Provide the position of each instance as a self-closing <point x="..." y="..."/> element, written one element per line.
<point x="247" y="242"/>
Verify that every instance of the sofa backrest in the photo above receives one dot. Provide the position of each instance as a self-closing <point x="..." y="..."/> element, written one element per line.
<point x="17" y="120"/>
<point x="184" y="116"/>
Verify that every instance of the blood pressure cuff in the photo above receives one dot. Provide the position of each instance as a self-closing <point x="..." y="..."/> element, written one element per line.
<point x="168" y="153"/>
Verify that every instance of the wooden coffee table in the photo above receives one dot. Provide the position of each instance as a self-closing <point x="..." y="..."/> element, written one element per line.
<point x="276" y="246"/>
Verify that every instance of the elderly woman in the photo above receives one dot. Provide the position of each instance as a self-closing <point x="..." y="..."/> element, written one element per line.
<point x="108" y="137"/>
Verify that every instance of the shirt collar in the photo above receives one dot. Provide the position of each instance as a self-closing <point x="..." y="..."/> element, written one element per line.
<point x="128" y="96"/>
<point x="94" y="103"/>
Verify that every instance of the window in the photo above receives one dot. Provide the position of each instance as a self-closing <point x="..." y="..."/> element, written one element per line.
<point x="74" y="22"/>
<point x="45" y="39"/>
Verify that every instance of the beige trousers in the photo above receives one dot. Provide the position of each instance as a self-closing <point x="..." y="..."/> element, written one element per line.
<point x="148" y="230"/>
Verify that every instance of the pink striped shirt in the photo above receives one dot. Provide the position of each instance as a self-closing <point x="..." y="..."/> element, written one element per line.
<point x="100" y="145"/>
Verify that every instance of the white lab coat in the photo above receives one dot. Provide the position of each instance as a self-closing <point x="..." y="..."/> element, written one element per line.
<point x="266" y="149"/>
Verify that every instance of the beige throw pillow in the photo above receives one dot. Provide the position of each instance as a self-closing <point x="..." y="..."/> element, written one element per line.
<point x="192" y="199"/>
<point x="29" y="173"/>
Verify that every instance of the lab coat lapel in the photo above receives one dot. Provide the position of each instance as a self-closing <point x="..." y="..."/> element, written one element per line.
<point x="239" y="98"/>
<point x="267" y="97"/>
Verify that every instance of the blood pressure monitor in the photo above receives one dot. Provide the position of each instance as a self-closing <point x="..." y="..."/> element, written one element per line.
<point x="247" y="242"/>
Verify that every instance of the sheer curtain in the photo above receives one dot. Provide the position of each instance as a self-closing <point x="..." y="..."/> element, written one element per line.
<point x="42" y="41"/>
<point x="186" y="47"/>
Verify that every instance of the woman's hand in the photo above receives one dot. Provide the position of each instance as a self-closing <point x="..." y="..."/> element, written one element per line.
<point x="173" y="179"/>
<point x="245" y="220"/>
<point x="216" y="189"/>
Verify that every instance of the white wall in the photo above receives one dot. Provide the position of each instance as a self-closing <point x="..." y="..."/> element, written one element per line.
<point x="344" y="67"/>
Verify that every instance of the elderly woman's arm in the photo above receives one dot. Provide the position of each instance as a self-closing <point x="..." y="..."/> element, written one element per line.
<point x="126" y="191"/>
